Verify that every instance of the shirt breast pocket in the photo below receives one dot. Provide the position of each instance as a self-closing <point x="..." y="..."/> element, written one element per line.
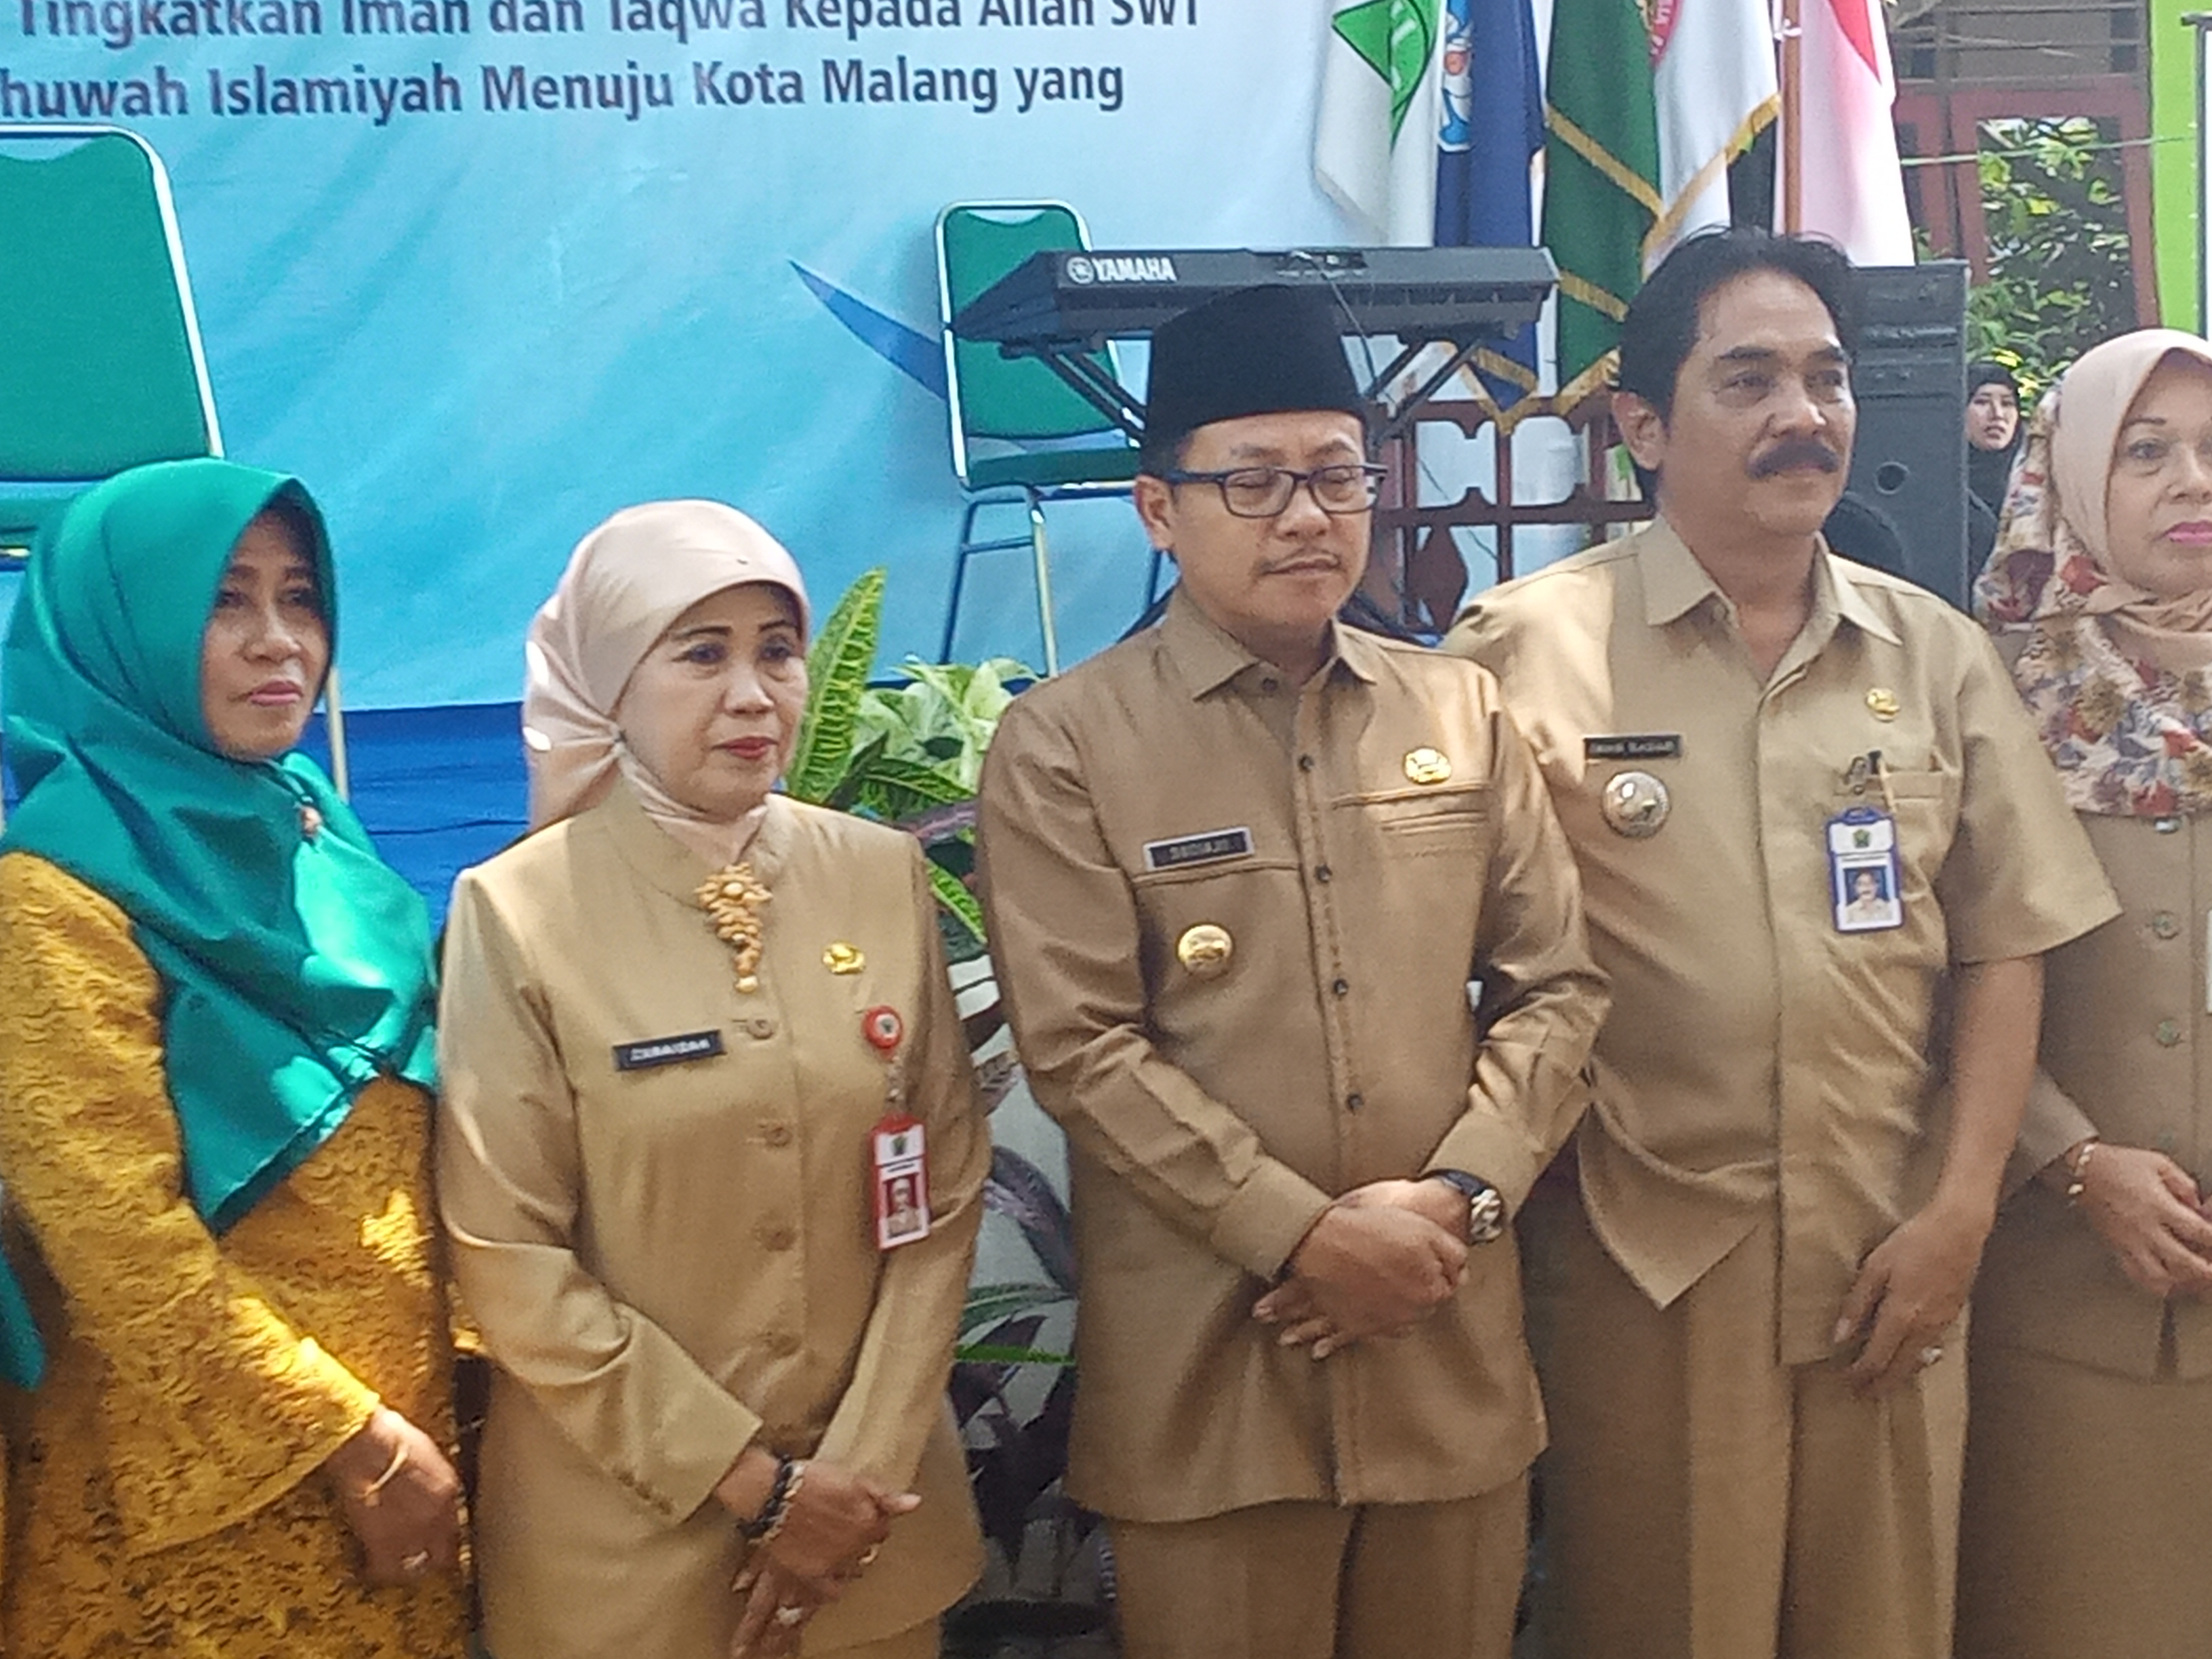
<point x="1428" y="823"/>
<point x="1215" y="932"/>
<point x="1925" y="804"/>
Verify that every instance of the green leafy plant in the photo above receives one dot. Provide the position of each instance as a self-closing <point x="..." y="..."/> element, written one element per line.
<point x="944" y="715"/>
<point x="2061" y="275"/>
<point x="844" y="757"/>
<point x="908" y="755"/>
<point x="838" y="665"/>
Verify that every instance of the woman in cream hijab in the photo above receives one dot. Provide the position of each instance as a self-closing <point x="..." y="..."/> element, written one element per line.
<point x="695" y="1035"/>
<point x="2087" y="1504"/>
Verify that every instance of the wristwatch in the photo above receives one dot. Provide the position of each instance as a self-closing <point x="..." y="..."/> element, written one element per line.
<point x="1485" y="1206"/>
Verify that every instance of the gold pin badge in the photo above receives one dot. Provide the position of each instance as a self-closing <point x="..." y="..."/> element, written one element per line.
<point x="1204" y="950"/>
<point x="1635" y="804"/>
<point x="1426" y="765"/>
<point x="1882" y="703"/>
<point x="842" y="958"/>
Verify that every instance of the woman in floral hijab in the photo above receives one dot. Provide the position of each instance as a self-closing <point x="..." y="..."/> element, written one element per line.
<point x="2087" y="1507"/>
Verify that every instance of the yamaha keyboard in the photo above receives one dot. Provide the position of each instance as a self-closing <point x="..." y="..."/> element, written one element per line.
<point x="1460" y="295"/>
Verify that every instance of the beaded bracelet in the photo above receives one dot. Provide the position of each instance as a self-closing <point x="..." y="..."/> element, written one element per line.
<point x="763" y="1528"/>
<point x="2077" y="1169"/>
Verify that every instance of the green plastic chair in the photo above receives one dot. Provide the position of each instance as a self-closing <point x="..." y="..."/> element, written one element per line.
<point x="100" y="343"/>
<point x="1021" y="436"/>
<point x="104" y="367"/>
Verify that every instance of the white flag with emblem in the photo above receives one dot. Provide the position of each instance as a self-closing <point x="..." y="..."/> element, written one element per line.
<point x="1375" y="142"/>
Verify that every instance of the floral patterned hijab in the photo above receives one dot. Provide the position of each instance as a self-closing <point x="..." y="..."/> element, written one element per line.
<point x="2118" y="680"/>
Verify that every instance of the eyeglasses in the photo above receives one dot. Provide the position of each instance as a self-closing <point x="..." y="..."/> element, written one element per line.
<point x="1262" y="492"/>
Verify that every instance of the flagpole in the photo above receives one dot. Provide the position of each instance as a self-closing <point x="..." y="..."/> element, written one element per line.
<point x="1792" y="78"/>
<point x="2198" y="22"/>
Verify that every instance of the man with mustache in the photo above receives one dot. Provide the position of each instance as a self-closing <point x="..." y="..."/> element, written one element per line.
<point x="1749" y="1294"/>
<point x="1240" y="872"/>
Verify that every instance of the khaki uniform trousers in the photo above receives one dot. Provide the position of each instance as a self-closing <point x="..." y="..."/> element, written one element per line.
<point x="1316" y="1581"/>
<point x="1701" y="1500"/>
<point x="2087" y="1529"/>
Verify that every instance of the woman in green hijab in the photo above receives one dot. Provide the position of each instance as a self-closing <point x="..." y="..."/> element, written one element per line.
<point x="229" y="1328"/>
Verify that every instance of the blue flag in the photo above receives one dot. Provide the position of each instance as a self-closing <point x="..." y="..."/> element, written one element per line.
<point x="1491" y="131"/>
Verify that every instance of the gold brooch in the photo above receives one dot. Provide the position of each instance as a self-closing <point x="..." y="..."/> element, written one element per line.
<point x="843" y="958"/>
<point x="1426" y="765"/>
<point x="1882" y="704"/>
<point x="732" y="899"/>
<point x="1205" y="951"/>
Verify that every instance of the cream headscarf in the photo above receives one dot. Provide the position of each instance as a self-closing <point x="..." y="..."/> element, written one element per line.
<point x="626" y="583"/>
<point x="2119" y="680"/>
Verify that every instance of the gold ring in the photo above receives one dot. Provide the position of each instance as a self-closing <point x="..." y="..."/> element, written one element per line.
<point x="1931" y="1353"/>
<point x="415" y="1562"/>
<point x="789" y="1616"/>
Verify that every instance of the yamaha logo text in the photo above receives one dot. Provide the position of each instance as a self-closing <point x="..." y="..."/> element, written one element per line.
<point x="1151" y="268"/>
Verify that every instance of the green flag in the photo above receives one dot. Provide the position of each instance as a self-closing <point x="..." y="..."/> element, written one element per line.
<point x="1601" y="177"/>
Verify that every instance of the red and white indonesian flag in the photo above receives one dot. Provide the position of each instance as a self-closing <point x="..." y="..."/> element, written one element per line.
<point x="1853" y="188"/>
<point x="1713" y="87"/>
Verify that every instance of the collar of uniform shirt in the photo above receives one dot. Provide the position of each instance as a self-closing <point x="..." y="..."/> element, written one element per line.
<point x="666" y="864"/>
<point x="1207" y="658"/>
<point x="1675" y="584"/>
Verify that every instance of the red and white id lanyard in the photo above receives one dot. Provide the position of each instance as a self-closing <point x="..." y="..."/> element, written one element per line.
<point x="897" y="1153"/>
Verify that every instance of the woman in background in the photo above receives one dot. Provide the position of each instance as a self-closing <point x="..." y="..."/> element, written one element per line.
<point x="698" y="1043"/>
<point x="216" y="1049"/>
<point x="2087" y="1505"/>
<point x="1993" y="436"/>
<point x="1993" y="431"/>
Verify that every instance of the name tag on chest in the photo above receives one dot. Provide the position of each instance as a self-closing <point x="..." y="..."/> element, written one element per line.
<point x="667" y="1050"/>
<point x="1633" y="745"/>
<point x="1212" y="846"/>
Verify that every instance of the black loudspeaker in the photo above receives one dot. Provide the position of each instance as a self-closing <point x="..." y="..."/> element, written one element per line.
<point x="1909" y="461"/>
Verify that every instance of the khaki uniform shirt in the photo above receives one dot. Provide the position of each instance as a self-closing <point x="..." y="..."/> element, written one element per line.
<point x="669" y="1260"/>
<point x="2127" y="1018"/>
<point x="1756" y="1055"/>
<point x="1369" y="843"/>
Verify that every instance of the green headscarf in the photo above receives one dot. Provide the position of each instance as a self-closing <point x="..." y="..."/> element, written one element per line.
<point x="295" y="969"/>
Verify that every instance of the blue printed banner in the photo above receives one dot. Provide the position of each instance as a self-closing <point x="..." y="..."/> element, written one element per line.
<point x="483" y="270"/>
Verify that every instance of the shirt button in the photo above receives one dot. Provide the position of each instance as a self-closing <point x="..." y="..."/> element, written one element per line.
<point x="783" y="1345"/>
<point x="778" y="1238"/>
<point x="777" y="1135"/>
<point x="1353" y="1103"/>
<point x="1268" y="686"/>
<point x="2165" y="826"/>
<point x="1306" y="762"/>
<point x="2169" y="1033"/>
<point x="2164" y="925"/>
<point x="1342" y="988"/>
<point x="760" y="1026"/>
<point x="1322" y="873"/>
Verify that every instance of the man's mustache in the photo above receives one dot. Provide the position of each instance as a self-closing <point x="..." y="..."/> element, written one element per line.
<point x="1796" y="452"/>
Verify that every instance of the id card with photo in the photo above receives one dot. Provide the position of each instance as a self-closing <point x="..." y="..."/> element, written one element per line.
<point x="1864" y="879"/>
<point x="900" y="1163"/>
